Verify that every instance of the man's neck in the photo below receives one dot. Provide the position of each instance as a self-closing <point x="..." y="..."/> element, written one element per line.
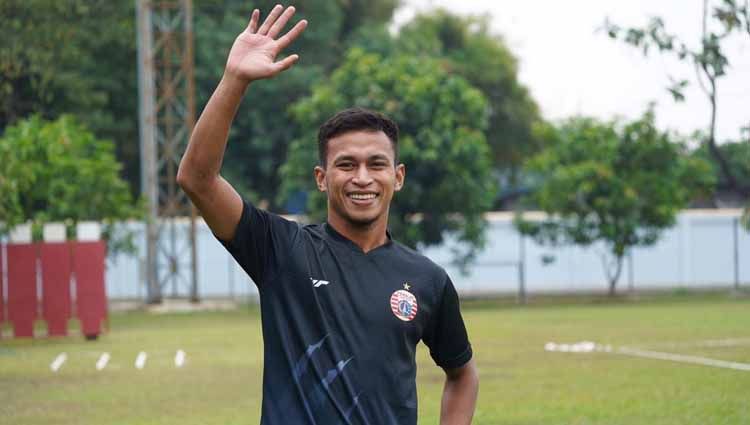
<point x="366" y="237"/>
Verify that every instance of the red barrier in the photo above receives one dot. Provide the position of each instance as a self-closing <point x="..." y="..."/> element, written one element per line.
<point x="56" y="273"/>
<point x="2" y="287"/>
<point x="59" y="260"/>
<point x="22" y="288"/>
<point x="91" y="300"/>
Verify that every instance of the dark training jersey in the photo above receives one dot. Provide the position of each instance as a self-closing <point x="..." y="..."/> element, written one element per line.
<point x="340" y="326"/>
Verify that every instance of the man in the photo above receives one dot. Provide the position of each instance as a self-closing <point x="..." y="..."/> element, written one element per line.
<point x="343" y="306"/>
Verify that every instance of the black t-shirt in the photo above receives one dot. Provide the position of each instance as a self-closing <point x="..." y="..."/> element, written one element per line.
<point x="340" y="326"/>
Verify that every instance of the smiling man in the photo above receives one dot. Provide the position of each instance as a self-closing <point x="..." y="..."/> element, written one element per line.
<point x="343" y="305"/>
<point x="357" y="155"/>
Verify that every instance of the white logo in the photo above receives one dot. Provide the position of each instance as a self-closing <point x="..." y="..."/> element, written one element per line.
<point x="318" y="283"/>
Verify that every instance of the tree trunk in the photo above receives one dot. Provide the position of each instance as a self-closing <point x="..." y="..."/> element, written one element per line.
<point x="712" y="93"/>
<point x="724" y="167"/>
<point x="615" y="277"/>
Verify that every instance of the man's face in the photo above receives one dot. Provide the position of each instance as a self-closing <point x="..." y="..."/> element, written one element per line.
<point x="360" y="177"/>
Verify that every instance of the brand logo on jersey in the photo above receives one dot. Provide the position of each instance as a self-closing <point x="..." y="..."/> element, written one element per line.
<point x="318" y="283"/>
<point x="404" y="305"/>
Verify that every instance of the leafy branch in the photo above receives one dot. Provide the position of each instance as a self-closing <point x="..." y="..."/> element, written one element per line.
<point x="708" y="61"/>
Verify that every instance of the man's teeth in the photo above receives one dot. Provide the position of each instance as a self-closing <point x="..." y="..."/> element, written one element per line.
<point x="363" y="196"/>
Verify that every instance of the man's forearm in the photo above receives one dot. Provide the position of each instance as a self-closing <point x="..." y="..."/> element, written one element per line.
<point x="251" y="58"/>
<point x="460" y="397"/>
<point x="205" y="152"/>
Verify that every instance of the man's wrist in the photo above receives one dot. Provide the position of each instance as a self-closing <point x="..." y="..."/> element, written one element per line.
<point x="234" y="83"/>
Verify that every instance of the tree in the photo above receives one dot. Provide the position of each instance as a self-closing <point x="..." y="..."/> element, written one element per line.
<point x="738" y="160"/>
<point x="73" y="57"/>
<point x="441" y="118"/>
<point x="467" y="47"/>
<point x="31" y="60"/>
<point x="737" y="156"/>
<point x="84" y="63"/>
<point x="620" y="184"/>
<point x="58" y="171"/>
<point x="15" y="179"/>
<point x="708" y="60"/>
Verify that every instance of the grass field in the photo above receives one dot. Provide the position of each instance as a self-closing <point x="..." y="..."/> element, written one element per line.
<point x="521" y="383"/>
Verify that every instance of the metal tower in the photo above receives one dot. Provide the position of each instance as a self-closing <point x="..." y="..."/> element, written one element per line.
<point x="167" y="115"/>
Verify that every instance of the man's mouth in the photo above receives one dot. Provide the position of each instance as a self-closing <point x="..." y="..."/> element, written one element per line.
<point x="362" y="196"/>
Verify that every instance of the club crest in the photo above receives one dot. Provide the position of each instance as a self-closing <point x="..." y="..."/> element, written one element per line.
<point x="404" y="305"/>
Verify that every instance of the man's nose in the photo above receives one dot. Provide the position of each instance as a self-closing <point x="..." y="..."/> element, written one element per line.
<point x="362" y="176"/>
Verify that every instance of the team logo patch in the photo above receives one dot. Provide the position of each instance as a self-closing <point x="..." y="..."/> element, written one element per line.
<point x="404" y="305"/>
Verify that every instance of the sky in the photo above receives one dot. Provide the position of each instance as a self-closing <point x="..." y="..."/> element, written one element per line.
<point x="571" y="68"/>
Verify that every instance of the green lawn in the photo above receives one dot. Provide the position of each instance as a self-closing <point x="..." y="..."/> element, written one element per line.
<point x="521" y="383"/>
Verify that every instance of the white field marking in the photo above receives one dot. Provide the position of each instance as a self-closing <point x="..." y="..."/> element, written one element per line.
<point x="140" y="360"/>
<point x="58" y="362"/>
<point x="727" y="342"/>
<point x="683" y="358"/>
<point x="102" y="362"/>
<point x="578" y="347"/>
<point x="179" y="358"/>
<point x="588" y="346"/>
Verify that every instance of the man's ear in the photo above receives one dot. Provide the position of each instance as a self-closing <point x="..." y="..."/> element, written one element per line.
<point x="400" y="176"/>
<point x="320" y="178"/>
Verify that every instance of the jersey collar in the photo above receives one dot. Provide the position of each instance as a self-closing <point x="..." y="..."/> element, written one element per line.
<point x="335" y="235"/>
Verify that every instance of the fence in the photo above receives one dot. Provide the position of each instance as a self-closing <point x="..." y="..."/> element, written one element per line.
<point x="705" y="249"/>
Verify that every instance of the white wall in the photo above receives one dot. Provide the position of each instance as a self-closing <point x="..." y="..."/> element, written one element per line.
<point x="697" y="252"/>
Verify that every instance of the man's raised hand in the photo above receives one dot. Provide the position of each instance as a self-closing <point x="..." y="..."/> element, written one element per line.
<point x="253" y="54"/>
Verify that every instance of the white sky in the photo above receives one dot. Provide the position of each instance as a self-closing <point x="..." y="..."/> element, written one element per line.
<point x="571" y="68"/>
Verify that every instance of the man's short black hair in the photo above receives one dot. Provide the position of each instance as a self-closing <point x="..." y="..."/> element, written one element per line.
<point x="356" y="119"/>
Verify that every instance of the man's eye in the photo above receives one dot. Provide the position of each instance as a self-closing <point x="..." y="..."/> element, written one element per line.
<point x="347" y="165"/>
<point x="379" y="165"/>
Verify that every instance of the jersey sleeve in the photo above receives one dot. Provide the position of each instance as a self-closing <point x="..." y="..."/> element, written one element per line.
<point x="261" y="242"/>
<point x="446" y="335"/>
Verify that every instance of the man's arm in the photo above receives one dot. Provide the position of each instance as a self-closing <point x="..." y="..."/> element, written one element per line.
<point x="459" y="395"/>
<point x="252" y="57"/>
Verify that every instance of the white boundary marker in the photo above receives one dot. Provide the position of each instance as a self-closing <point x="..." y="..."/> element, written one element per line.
<point x="683" y="358"/>
<point x="578" y="347"/>
<point x="179" y="358"/>
<point x="710" y="343"/>
<point x="58" y="362"/>
<point x="104" y="358"/>
<point x="140" y="360"/>
<point x="588" y="347"/>
<point x="102" y="362"/>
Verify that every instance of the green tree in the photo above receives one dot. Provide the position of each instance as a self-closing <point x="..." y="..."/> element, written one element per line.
<point x="58" y="171"/>
<point x="721" y="20"/>
<point x="73" y="57"/>
<point x="737" y="156"/>
<point x="467" y="47"/>
<point x="15" y="179"/>
<point x="79" y="57"/>
<point x="618" y="184"/>
<point x="33" y="62"/>
<point x="441" y="118"/>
